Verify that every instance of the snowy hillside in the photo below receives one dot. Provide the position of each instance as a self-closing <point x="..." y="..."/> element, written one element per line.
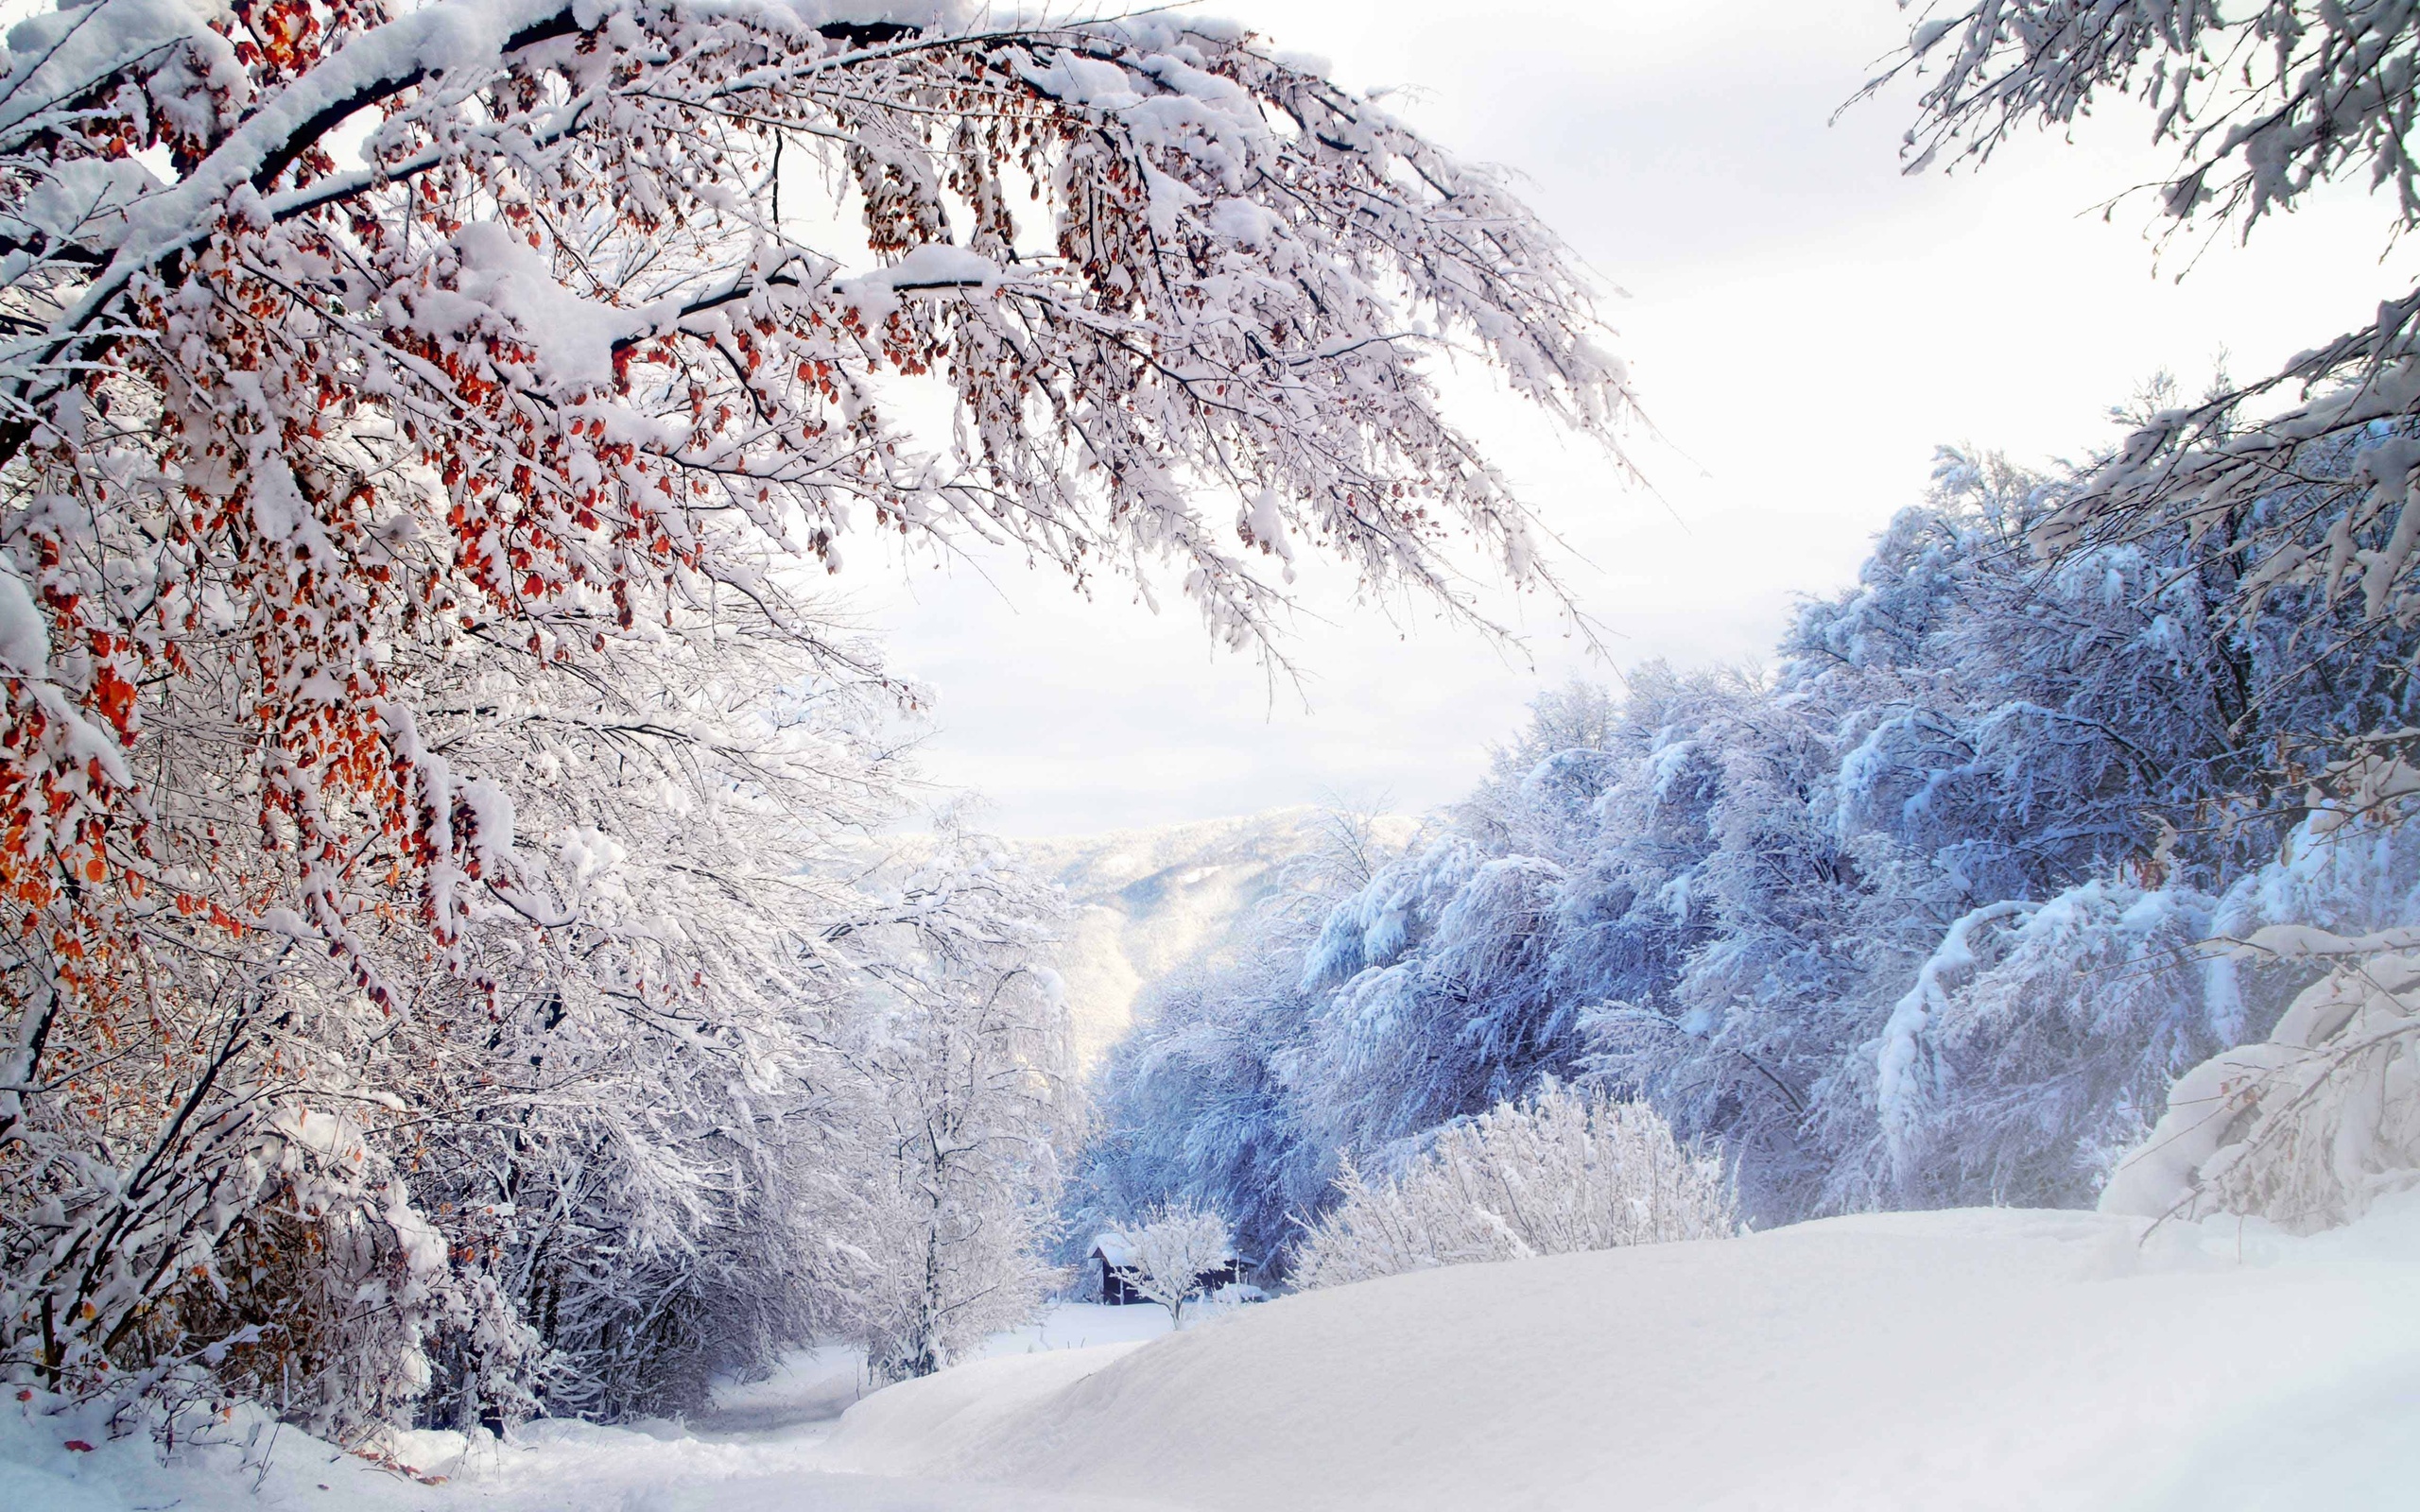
<point x="1147" y="901"/>
<point x="1971" y="1358"/>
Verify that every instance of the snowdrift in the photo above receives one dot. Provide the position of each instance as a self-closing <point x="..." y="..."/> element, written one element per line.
<point x="1968" y="1359"/>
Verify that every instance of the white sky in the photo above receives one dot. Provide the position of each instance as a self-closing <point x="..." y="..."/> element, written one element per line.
<point x="1805" y="325"/>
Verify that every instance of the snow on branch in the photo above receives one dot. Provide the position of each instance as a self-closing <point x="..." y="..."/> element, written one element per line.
<point x="551" y="363"/>
<point x="2262" y="101"/>
<point x="2308" y="1127"/>
<point x="2263" y="104"/>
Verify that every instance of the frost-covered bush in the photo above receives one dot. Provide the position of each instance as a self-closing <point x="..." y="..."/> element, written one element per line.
<point x="1174" y="1255"/>
<point x="1562" y="1171"/>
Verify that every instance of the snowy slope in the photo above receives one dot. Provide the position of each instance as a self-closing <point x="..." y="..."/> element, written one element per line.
<point x="1968" y="1359"/>
<point x="1972" y="1359"/>
<point x="1147" y="901"/>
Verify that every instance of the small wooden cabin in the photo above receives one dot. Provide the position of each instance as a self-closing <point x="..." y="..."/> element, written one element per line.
<point x="1116" y="1259"/>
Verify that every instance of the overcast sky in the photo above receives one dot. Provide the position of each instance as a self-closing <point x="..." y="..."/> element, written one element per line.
<point x="1805" y="325"/>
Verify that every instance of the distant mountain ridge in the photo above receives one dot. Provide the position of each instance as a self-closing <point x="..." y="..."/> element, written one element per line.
<point x="1144" y="901"/>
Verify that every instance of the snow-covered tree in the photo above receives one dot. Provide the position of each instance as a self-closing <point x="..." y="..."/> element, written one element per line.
<point x="417" y="425"/>
<point x="1204" y="1102"/>
<point x="629" y="1095"/>
<point x="1398" y="1047"/>
<point x="1195" y="1105"/>
<point x="2031" y="1048"/>
<point x="1911" y="920"/>
<point x="944" y="1180"/>
<point x="1558" y="1172"/>
<point x="1168" y="1255"/>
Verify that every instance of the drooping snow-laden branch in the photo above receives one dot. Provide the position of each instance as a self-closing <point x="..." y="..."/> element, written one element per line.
<point x="547" y="363"/>
<point x="413" y="421"/>
<point x="2311" y="1125"/>
<point x="2264" y="103"/>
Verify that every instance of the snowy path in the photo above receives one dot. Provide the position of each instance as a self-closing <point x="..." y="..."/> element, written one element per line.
<point x="1973" y="1358"/>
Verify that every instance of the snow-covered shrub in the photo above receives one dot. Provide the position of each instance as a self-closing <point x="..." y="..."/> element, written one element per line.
<point x="1175" y="1254"/>
<point x="334" y="1291"/>
<point x="2311" y="1125"/>
<point x="1562" y="1171"/>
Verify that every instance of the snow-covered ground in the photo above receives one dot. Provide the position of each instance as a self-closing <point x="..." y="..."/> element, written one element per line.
<point x="1087" y="1325"/>
<point x="811" y="1385"/>
<point x="817" y="1385"/>
<point x="1985" y="1359"/>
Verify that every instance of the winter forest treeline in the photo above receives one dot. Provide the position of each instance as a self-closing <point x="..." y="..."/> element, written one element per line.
<point x="459" y="954"/>
<point x="2062" y="860"/>
<point x="1914" y="920"/>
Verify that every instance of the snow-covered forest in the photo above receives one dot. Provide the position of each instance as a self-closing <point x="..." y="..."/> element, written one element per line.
<point x="1920" y="918"/>
<point x="481" y="964"/>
